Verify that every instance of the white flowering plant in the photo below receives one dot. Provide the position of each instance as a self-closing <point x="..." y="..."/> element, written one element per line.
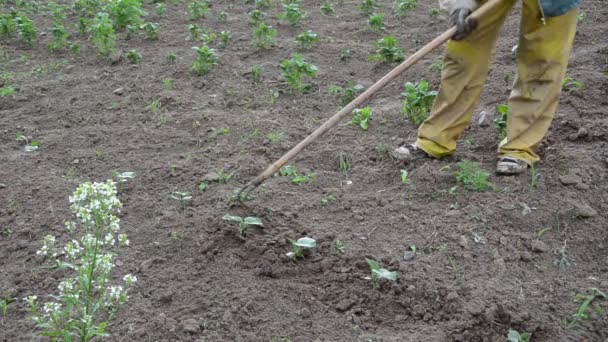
<point x="86" y="301"/>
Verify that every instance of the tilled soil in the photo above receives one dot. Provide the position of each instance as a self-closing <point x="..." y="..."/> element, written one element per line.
<point x="514" y="258"/>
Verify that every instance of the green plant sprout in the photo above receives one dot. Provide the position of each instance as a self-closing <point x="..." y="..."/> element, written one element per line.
<point x="299" y="245"/>
<point x="134" y="57"/>
<point x="472" y="176"/>
<point x="328" y="9"/>
<point x="418" y="101"/>
<point x="256" y="74"/>
<point x="345" y="54"/>
<point x="292" y="71"/>
<point x="515" y="336"/>
<point x="182" y="197"/>
<point x="34" y="145"/>
<point x="434" y="12"/>
<point x="264" y="36"/>
<point x="256" y="17"/>
<point x="346" y="94"/>
<point x="203" y="186"/>
<point x="288" y="170"/>
<point x="307" y="178"/>
<point x="126" y="13"/>
<point x="171" y="57"/>
<point x="223" y="177"/>
<point x="122" y="178"/>
<point x="368" y="7"/>
<point x="362" y="117"/>
<point x="151" y="30"/>
<point x="292" y="13"/>
<point x="168" y="83"/>
<point x="26" y="30"/>
<point x="263" y="4"/>
<point x="198" y="9"/>
<point x="87" y="301"/>
<point x="376" y="22"/>
<point x="101" y="34"/>
<point x="195" y="32"/>
<point x="500" y="123"/>
<point x="581" y="313"/>
<point x="60" y="37"/>
<point x="404" y="175"/>
<point x="307" y="39"/>
<point x="378" y="272"/>
<point x="160" y="10"/>
<point x="387" y="51"/>
<point x="4" y="302"/>
<point x="7" y="91"/>
<point x="436" y="65"/>
<point x="402" y="7"/>
<point x="225" y="37"/>
<point x="244" y="223"/>
<point x="205" y="61"/>
<point x="340" y="246"/>
<point x="291" y="171"/>
<point x="581" y="16"/>
<point x="343" y="163"/>
<point x="8" y="25"/>
<point x="570" y="84"/>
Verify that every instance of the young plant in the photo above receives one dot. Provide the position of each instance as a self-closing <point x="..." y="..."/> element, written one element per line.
<point x="256" y="17"/>
<point x="298" y="246"/>
<point x="362" y="117"/>
<point x="87" y="301"/>
<point x="222" y="16"/>
<point x="501" y="121"/>
<point x="291" y="171"/>
<point x="134" y="57"/>
<point x="402" y="7"/>
<point x="292" y="13"/>
<point x="168" y="83"/>
<point x="368" y="7"/>
<point x="122" y="178"/>
<point x="345" y="54"/>
<point x="244" y="223"/>
<point x="264" y="36"/>
<point x="182" y="197"/>
<point x="301" y="179"/>
<point x="34" y="145"/>
<point x="60" y="37"/>
<point x="171" y="57"/>
<point x="388" y="51"/>
<point x="515" y="336"/>
<point x="436" y="65"/>
<point x="340" y="246"/>
<point x="198" y="9"/>
<point x="434" y="12"/>
<point x="307" y="39"/>
<point x="347" y="94"/>
<point x="418" y="101"/>
<point x="404" y="175"/>
<point x="294" y="69"/>
<point x="26" y="30"/>
<point x="160" y="10"/>
<point x="343" y="163"/>
<point x="101" y="34"/>
<point x="205" y="61"/>
<point x="570" y="84"/>
<point x="151" y="30"/>
<point x="225" y="37"/>
<point x="8" y="26"/>
<point x="263" y="4"/>
<point x="126" y="13"/>
<point x="4" y="302"/>
<point x="581" y="313"/>
<point x="378" y="272"/>
<point x="472" y="176"/>
<point x="328" y="9"/>
<point x="376" y="22"/>
<point x="256" y="73"/>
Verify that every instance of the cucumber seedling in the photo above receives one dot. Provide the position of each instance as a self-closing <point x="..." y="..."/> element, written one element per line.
<point x="256" y="17"/>
<point x="362" y="117"/>
<point x="346" y="94"/>
<point x="102" y="35"/>
<point x="292" y="13"/>
<point x="298" y="246"/>
<point x="294" y="69"/>
<point x="376" y="22"/>
<point x="151" y="30"/>
<point x="378" y="272"/>
<point x="418" y="101"/>
<point x="171" y="57"/>
<point x="328" y="9"/>
<point x="307" y="39"/>
<point x="134" y="57"/>
<point x="205" y="61"/>
<point x="198" y="9"/>
<point x="264" y="36"/>
<point x="182" y="197"/>
<point x="388" y="51"/>
<point x="244" y="223"/>
<point x="367" y="7"/>
<point x="515" y="336"/>
<point x="472" y="176"/>
<point x="500" y="123"/>
<point x="402" y="7"/>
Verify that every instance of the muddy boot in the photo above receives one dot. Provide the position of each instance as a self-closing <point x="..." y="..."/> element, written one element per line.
<point x="409" y="153"/>
<point x="510" y="166"/>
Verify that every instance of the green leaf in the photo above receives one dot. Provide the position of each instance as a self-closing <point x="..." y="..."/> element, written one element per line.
<point x="202" y="187"/>
<point x="254" y="221"/>
<point x="30" y="148"/>
<point x="513" y="336"/>
<point x="404" y="176"/>
<point x="229" y="217"/>
<point x="373" y="264"/>
<point x="386" y="274"/>
<point x="306" y="242"/>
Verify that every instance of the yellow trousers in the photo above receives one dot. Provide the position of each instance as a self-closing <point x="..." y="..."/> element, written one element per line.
<point x="542" y="58"/>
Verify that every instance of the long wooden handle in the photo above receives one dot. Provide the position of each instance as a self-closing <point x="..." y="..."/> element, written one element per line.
<point x="413" y="59"/>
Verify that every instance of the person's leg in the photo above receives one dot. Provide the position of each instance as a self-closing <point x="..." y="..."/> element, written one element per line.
<point x="542" y="58"/>
<point x="465" y="68"/>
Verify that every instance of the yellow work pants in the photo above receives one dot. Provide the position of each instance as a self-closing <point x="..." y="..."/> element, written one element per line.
<point x="542" y="58"/>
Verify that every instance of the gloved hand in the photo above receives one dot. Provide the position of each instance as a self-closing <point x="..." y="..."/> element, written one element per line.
<point x="464" y="26"/>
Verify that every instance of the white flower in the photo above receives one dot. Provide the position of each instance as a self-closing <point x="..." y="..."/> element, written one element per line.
<point x="123" y="239"/>
<point x="109" y="239"/>
<point x="105" y="262"/>
<point x="129" y="279"/>
<point x="48" y="247"/>
<point x="51" y="307"/>
<point x="72" y="249"/>
<point x="115" y="292"/>
<point x="66" y="286"/>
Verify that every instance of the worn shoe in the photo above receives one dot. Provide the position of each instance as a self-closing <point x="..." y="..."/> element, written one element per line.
<point x="510" y="166"/>
<point x="409" y="153"/>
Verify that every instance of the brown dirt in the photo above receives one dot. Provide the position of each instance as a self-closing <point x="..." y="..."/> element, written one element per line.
<point x="480" y="268"/>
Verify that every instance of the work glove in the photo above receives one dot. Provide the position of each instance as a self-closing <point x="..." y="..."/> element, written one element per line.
<point x="464" y="25"/>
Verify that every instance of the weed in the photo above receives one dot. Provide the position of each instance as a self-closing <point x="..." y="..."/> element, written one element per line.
<point x="205" y="61"/>
<point x="362" y="117"/>
<point x="223" y="177"/>
<point x="34" y="145"/>
<point x="122" y="178"/>
<point x="160" y="10"/>
<point x="340" y="246"/>
<point x="563" y="258"/>
<point x="171" y="57"/>
<point x="346" y="94"/>
<point x="404" y="175"/>
<point x="262" y="4"/>
<point x="436" y="65"/>
<point x="581" y="313"/>
<point x="244" y="223"/>
<point x="203" y="186"/>
<point x="294" y="69"/>
<point x="368" y="7"/>
<point x="225" y="37"/>
<point x="345" y="54"/>
<point x="195" y="32"/>
<point x="256" y="17"/>
<point x="151" y="30"/>
<point x="275" y="137"/>
<point x="402" y="7"/>
<point x="7" y="91"/>
<point x="378" y="272"/>
<point x="343" y="163"/>
<point x="418" y="101"/>
<point x="182" y="197"/>
<point x="222" y="16"/>
<point x="570" y="84"/>
<point x="101" y="34"/>
<point x="515" y="336"/>
<point x="8" y="25"/>
<point x="126" y="13"/>
<point x="292" y="13"/>
<point x="26" y="30"/>
<point x="434" y="12"/>
<point x="388" y="51"/>
<point x="168" y="84"/>
<point x="87" y="301"/>
<point x="328" y="199"/>
<point x="501" y="121"/>
<point x="471" y="176"/>
<point x="307" y="39"/>
<point x="264" y="36"/>
<point x="256" y="74"/>
<point x="581" y="16"/>
<point x="299" y="245"/>
<point x="134" y="57"/>
<point x="198" y="9"/>
<point x="60" y="37"/>
<point x="376" y="22"/>
<point x="328" y="9"/>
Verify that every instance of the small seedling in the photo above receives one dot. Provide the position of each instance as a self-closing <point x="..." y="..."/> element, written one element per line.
<point x="171" y="57"/>
<point x="195" y="32"/>
<point x="581" y="313"/>
<point x="404" y="175"/>
<point x="328" y="9"/>
<point x="26" y="30"/>
<point x="289" y="170"/>
<point x="501" y="121"/>
<point x="563" y="258"/>
<point x="376" y="22"/>
<point x="515" y="336"/>
<point x="340" y="247"/>
<point x="368" y="7"/>
<point x="60" y="36"/>
<point x="168" y="84"/>
<point x="223" y="177"/>
<point x="34" y="145"/>
<point x="122" y="178"/>
<point x="205" y="61"/>
<point x="570" y="84"/>
<point x="345" y="54"/>
<point x="292" y="13"/>
<point x="244" y="223"/>
<point x="225" y="37"/>
<point x="436" y="65"/>
<point x="264" y="36"/>
<point x="299" y="245"/>
<point x="581" y="16"/>
<point x="262" y="4"/>
<point x="256" y="17"/>
<point x="134" y="57"/>
<point x="307" y="39"/>
<point x="362" y="117"/>
<point x="102" y="34"/>
<point x="4" y="302"/>
<point x="388" y="51"/>
<point x="198" y="9"/>
<point x="151" y="30"/>
<point x="402" y="7"/>
<point x="203" y="186"/>
<point x="222" y="16"/>
<point x="434" y="12"/>
<point x="160" y="10"/>
<point x="343" y="163"/>
<point x="418" y="101"/>
<point x="307" y="178"/>
<point x="7" y="91"/>
<point x="294" y="69"/>
<point x="328" y="199"/>
<point x="346" y="94"/>
<point x="256" y="74"/>
<point x="472" y="176"/>
<point x="378" y="272"/>
<point x="182" y="197"/>
<point x="126" y="13"/>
